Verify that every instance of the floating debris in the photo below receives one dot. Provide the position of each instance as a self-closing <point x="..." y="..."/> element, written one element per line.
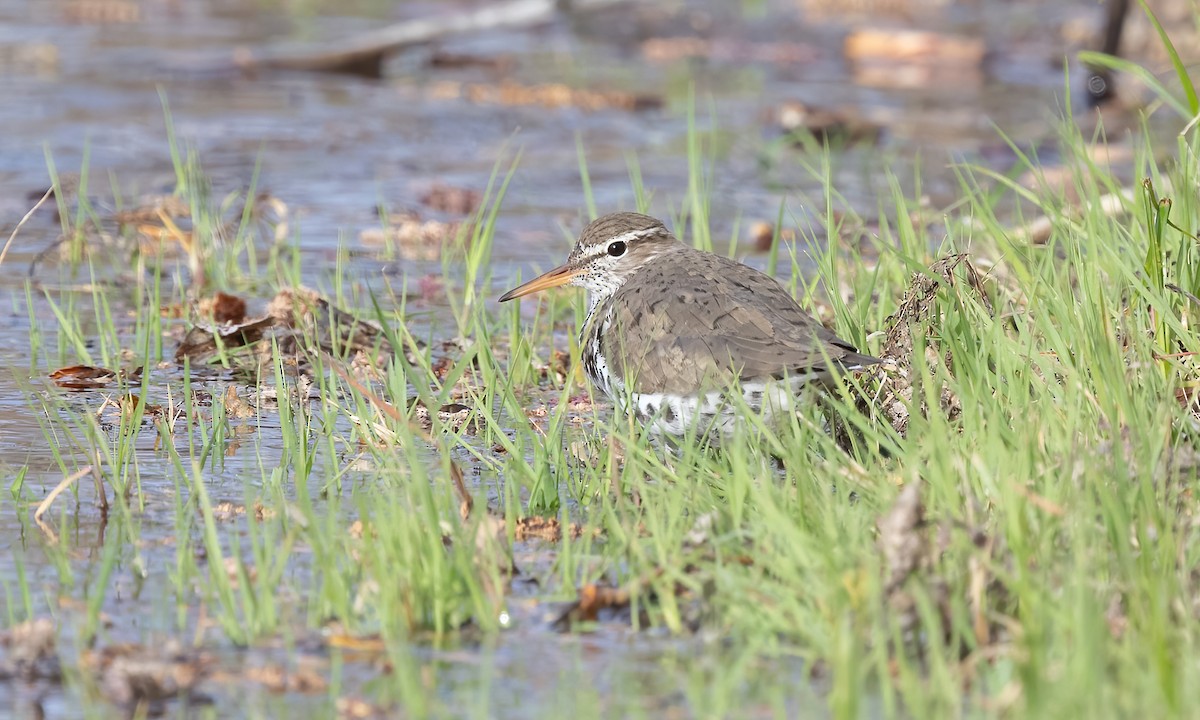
<point x="89" y="377"/>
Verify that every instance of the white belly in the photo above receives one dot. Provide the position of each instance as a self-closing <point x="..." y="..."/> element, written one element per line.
<point x="712" y="414"/>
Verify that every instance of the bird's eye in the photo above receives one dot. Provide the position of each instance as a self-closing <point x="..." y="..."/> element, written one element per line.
<point x="616" y="249"/>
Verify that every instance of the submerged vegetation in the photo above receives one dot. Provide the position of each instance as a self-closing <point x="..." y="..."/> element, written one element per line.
<point x="1000" y="522"/>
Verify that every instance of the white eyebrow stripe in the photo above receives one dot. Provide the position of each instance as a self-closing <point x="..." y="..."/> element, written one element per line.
<point x="625" y="238"/>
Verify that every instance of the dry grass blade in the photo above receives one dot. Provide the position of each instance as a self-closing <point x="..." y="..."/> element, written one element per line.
<point x="58" y="490"/>
<point x="13" y="236"/>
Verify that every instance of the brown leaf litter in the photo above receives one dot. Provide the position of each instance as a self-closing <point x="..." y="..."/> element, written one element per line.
<point x="134" y="675"/>
<point x="304" y="678"/>
<point x="89" y="377"/>
<point x="542" y="528"/>
<point x="912" y="549"/>
<point x="904" y="543"/>
<point x="296" y="320"/>
<point x="913" y="316"/>
<point x="235" y="406"/>
<point x="451" y="200"/>
<point x="30" y="651"/>
<point x="592" y="599"/>
<point x="414" y="237"/>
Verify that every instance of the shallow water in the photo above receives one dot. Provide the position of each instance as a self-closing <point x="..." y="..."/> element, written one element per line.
<point x="334" y="148"/>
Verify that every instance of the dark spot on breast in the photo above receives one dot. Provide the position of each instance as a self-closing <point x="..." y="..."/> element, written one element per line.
<point x="651" y="409"/>
<point x="756" y="396"/>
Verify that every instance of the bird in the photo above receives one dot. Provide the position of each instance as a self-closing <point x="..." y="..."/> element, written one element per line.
<point x="672" y="330"/>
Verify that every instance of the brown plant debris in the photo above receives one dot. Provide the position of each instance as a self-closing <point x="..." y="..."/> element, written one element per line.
<point x="135" y="675"/>
<point x="235" y="406"/>
<point x="915" y="315"/>
<point x="223" y="308"/>
<point x="30" y="651"/>
<point x="826" y="124"/>
<point x="153" y="209"/>
<point x="88" y="377"/>
<point x="414" y="237"/>
<point x="451" y="200"/>
<point x="592" y="599"/>
<point x="226" y="511"/>
<point x="304" y="678"/>
<point x="904" y="543"/>
<point x="297" y="320"/>
<point x="552" y="95"/>
<point x="541" y="528"/>
<point x="349" y="708"/>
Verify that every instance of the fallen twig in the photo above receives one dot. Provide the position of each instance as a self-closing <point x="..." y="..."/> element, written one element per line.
<point x="364" y="54"/>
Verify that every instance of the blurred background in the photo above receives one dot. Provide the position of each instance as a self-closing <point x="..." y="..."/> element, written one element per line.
<point x="417" y="130"/>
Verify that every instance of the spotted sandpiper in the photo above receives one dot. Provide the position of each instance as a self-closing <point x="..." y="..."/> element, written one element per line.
<point x="671" y="329"/>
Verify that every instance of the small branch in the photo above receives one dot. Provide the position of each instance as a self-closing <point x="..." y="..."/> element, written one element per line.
<point x="364" y="54"/>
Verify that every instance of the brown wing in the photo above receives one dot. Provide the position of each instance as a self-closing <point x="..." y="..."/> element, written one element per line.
<point x="700" y="322"/>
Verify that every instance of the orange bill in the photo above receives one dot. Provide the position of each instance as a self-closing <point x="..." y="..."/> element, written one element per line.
<point x="557" y="277"/>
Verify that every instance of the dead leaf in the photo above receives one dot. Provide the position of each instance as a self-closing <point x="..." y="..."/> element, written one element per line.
<point x="224" y="308"/>
<point x="152" y="209"/>
<point x="542" y="528"/>
<point x="278" y="679"/>
<point x="227" y="511"/>
<point x="200" y="343"/>
<point x="235" y="406"/>
<point x="88" y="377"/>
<point x="901" y="539"/>
<point x="911" y="318"/>
<point x="592" y="598"/>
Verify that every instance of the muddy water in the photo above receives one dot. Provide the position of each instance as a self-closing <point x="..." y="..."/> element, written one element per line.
<point x="81" y="78"/>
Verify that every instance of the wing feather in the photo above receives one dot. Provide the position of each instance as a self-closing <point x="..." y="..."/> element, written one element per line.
<point x="679" y="332"/>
